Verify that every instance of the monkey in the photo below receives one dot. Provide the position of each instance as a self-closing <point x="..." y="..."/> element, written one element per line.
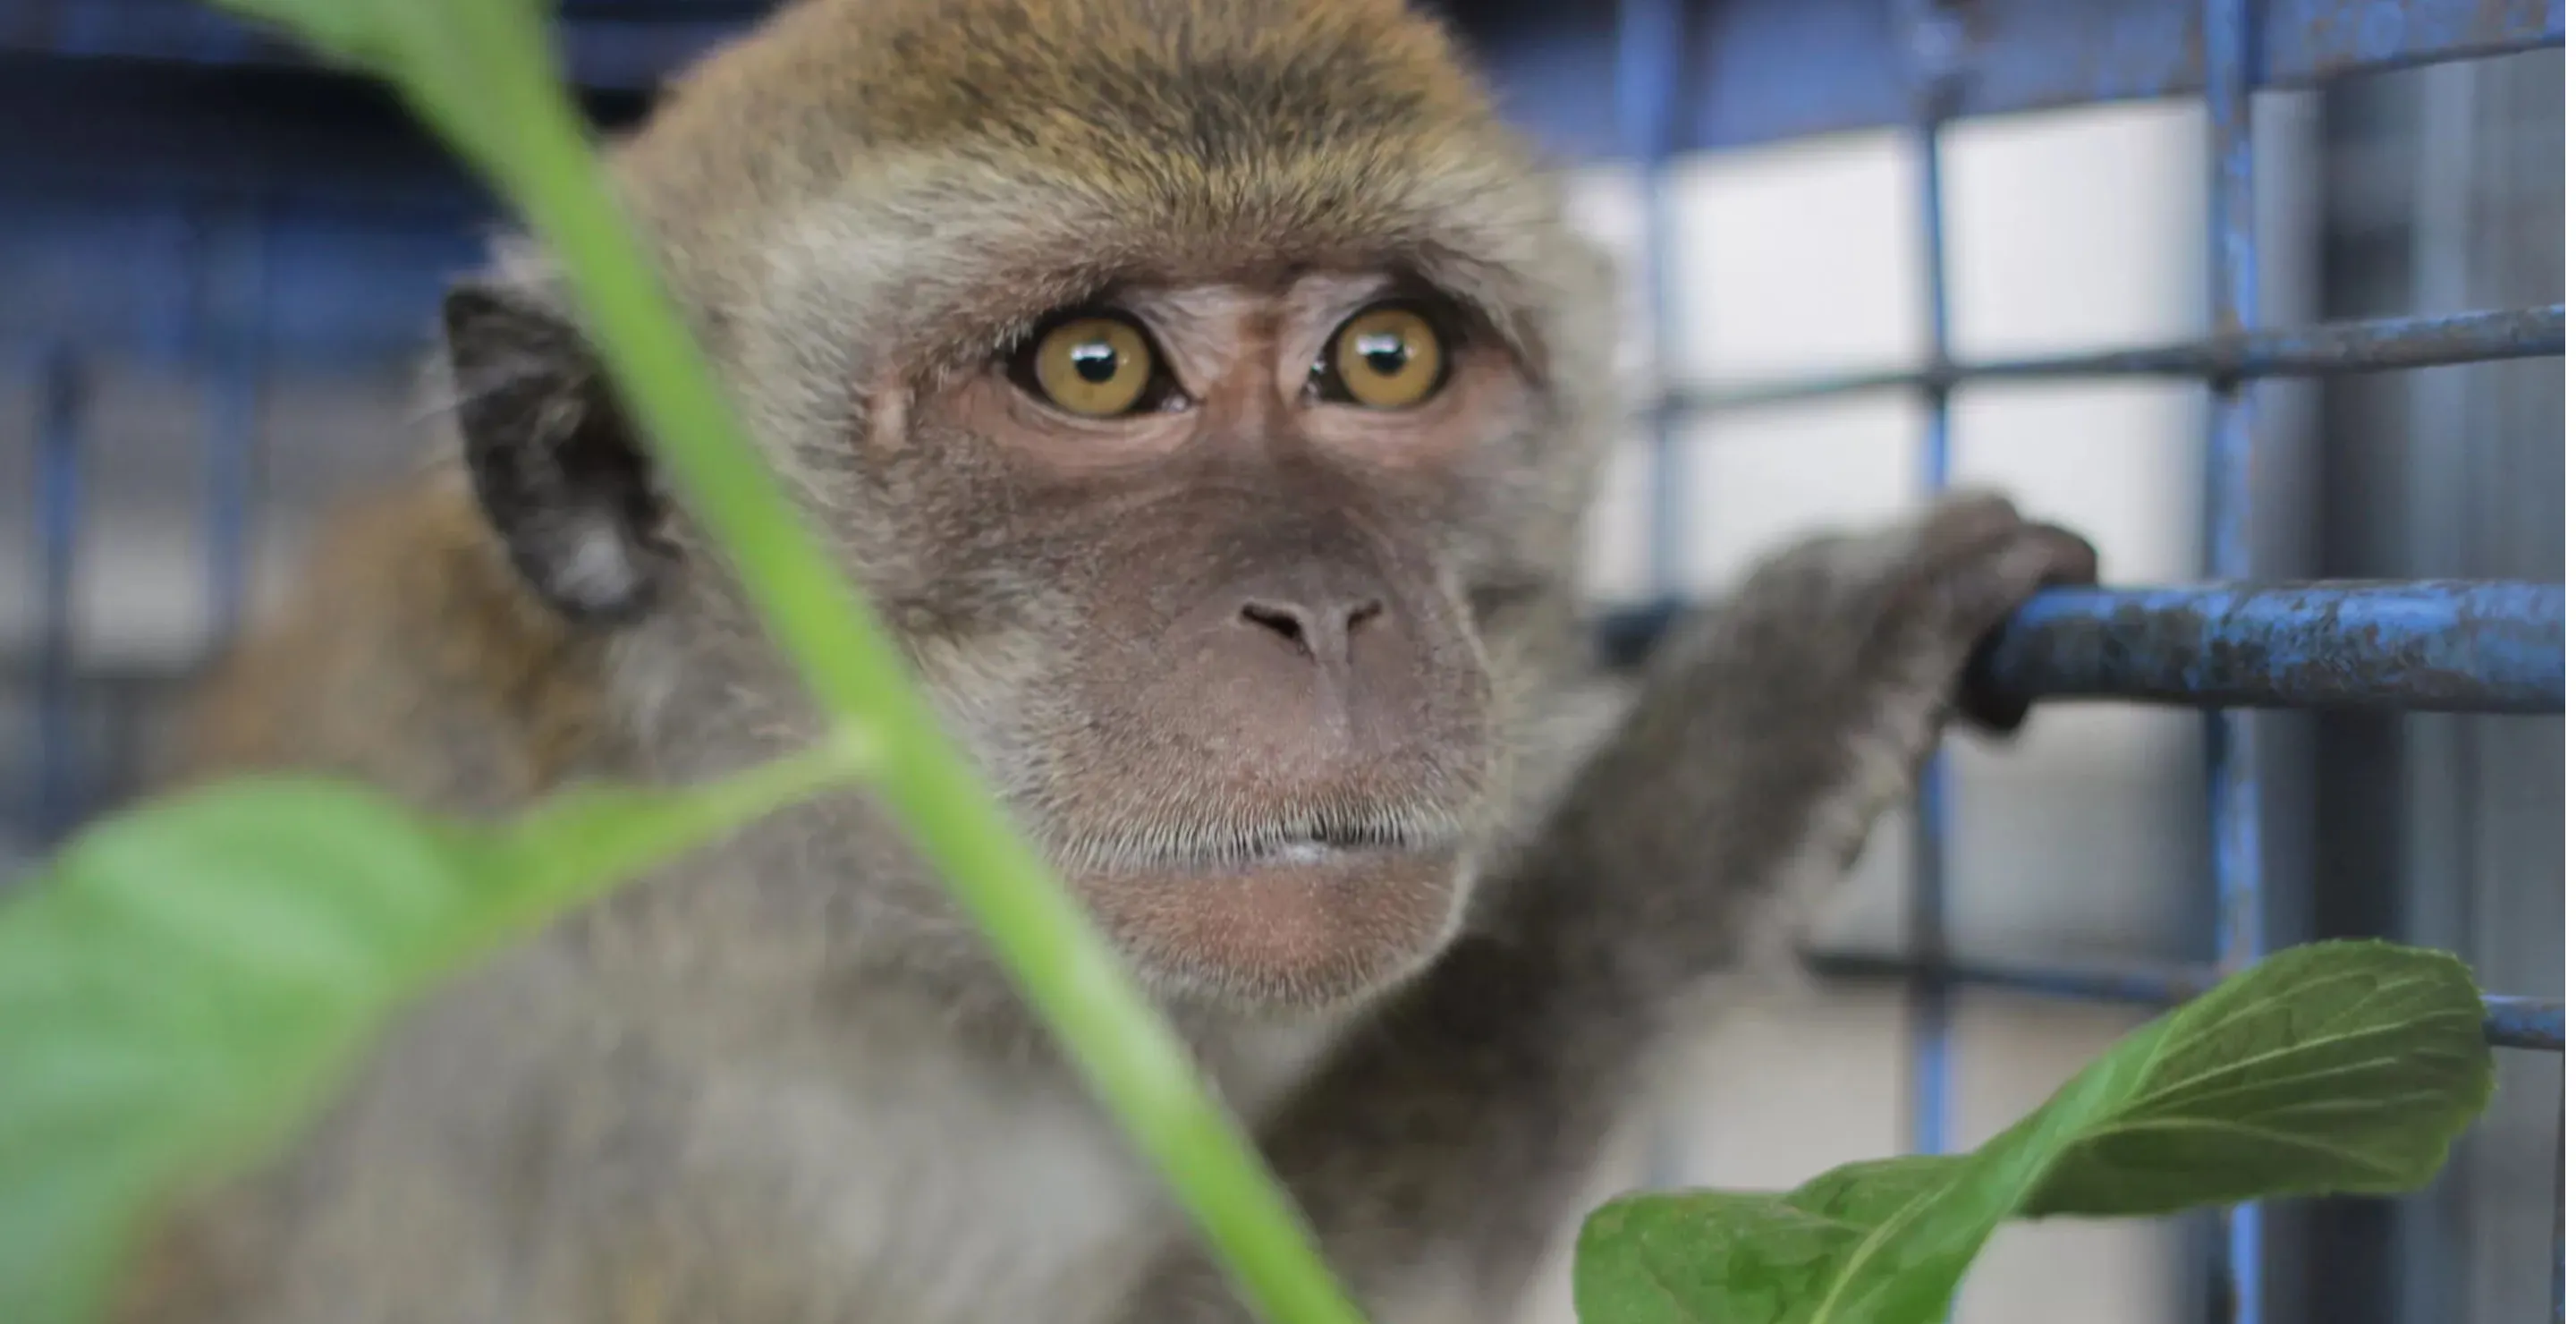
<point x="1209" y="398"/>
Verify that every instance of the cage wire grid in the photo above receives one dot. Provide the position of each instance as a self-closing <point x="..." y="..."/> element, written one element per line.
<point x="2225" y="648"/>
<point x="2488" y="647"/>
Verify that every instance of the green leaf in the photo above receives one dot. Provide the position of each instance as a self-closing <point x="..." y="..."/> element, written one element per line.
<point x="2342" y="1068"/>
<point x="2338" y="1068"/>
<point x="184" y="984"/>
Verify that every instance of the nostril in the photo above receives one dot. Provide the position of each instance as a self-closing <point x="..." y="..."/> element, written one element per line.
<point x="1286" y="622"/>
<point x="1364" y="613"/>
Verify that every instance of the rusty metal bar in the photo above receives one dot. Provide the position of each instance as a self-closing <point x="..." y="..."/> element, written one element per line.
<point x="2434" y="646"/>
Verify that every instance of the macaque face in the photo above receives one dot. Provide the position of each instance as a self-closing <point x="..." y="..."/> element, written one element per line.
<point x="1269" y="728"/>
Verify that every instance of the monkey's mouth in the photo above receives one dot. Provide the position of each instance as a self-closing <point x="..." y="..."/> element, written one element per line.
<point x="1302" y="914"/>
<point x="1303" y="850"/>
<point x="1318" y="841"/>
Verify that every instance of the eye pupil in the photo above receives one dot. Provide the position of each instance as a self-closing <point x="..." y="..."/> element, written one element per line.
<point x="1096" y="362"/>
<point x="1384" y="352"/>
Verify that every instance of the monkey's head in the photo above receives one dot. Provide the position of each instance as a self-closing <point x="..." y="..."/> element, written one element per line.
<point x="1207" y="394"/>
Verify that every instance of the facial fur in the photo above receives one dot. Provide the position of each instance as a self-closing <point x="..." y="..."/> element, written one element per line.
<point x="1250" y="663"/>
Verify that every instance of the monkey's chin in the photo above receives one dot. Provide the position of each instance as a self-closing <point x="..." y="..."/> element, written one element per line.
<point x="1304" y="927"/>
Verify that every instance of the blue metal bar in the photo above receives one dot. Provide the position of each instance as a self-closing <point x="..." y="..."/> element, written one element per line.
<point x="237" y="275"/>
<point x="2425" y="646"/>
<point x="2373" y="345"/>
<point x="2432" y="646"/>
<point x="2527" y="1023"/>
<point x="2230" y="515"/>
<point x="1778" y="69"/>
<point x="2538" y="1024"/>
<point x="2558" y="1217"/>
<point x="1651" y="36"/>
<point x="2236" y="843"/>
<point x="2142" y="985"/>
<point x="1933" y="37"/>
<point x="61" y="403"/>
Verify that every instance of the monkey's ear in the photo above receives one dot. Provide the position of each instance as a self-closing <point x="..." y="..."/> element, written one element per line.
<point x="558" y="470"/>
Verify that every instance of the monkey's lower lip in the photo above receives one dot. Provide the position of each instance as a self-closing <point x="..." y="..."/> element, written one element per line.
<point x="1305" y="922"/>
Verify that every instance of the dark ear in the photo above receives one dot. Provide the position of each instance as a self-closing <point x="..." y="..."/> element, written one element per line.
<point x="560" y="475"/>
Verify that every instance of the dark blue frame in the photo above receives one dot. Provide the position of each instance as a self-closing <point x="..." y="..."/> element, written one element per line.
<point x="1690" y="75"/>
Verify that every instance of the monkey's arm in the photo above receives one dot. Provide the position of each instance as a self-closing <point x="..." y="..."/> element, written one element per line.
<point x="1439" y="1151"/>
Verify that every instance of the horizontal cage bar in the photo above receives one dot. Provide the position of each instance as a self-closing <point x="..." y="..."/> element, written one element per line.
<point x="2538" y="1024"/>
<point x="2427" y="646"/>
<point x="1761" y="70"/>
<point x="2378" y="344"/>
<point x="2527" y="1023"/>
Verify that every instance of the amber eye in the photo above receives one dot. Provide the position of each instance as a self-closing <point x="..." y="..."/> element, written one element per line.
<point x="1097" y="367"/>
<point x="1388" y="357"/>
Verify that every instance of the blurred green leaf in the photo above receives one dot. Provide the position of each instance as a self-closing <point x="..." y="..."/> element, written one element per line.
<point x="2342" y="1068"/>
<point x="181" y="986"/>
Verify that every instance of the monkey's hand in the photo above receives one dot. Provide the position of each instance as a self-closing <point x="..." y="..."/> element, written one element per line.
<point x="1892" y="615"/>
<point x="1857" y="642"/>
<point x="1769" y="733"/>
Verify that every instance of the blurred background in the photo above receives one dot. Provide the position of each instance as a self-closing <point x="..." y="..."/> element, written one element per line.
<point x="218" y="264"/>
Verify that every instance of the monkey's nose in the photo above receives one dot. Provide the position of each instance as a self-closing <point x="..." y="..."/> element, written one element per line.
<point x="1320" y="631"/>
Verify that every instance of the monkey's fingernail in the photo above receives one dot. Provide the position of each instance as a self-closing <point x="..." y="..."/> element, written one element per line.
<point x="2073" y="560"/>
<point x="2027" y="565"/>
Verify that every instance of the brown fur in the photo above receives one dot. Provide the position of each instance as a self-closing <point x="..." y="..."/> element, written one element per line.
<point x="1419" y="891"/>
<point x="411" y="628"/>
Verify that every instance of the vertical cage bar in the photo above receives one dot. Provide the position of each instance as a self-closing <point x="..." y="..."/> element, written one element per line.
<point x="1932" y="41"/>
<point x="58" y="509"/>
<point x="1651" y="35"/>
<point x="2558" y="1214"/>
<point x="1649" y="77"/>
<point x="2235" y="840"/>
<point x="236" y="275"/>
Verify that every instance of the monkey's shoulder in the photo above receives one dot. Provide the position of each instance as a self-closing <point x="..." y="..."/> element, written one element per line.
<point x="408" y="654"/>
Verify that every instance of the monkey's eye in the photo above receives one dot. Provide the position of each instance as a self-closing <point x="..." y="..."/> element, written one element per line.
<point x="1389" y="356"/>
<point x="1091" y="365"/>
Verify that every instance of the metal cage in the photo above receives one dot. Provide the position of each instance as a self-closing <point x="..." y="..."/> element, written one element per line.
<point x="1688" y="76"/>
<point x="2227" y="648"/>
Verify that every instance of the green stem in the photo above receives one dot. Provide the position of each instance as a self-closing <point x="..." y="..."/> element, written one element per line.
<point x="1123" y="1046"/>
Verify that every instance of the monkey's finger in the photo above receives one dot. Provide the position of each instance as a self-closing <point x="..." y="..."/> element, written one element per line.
<point x="2064" y="560"/>
<point x="2071" y="561"/>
